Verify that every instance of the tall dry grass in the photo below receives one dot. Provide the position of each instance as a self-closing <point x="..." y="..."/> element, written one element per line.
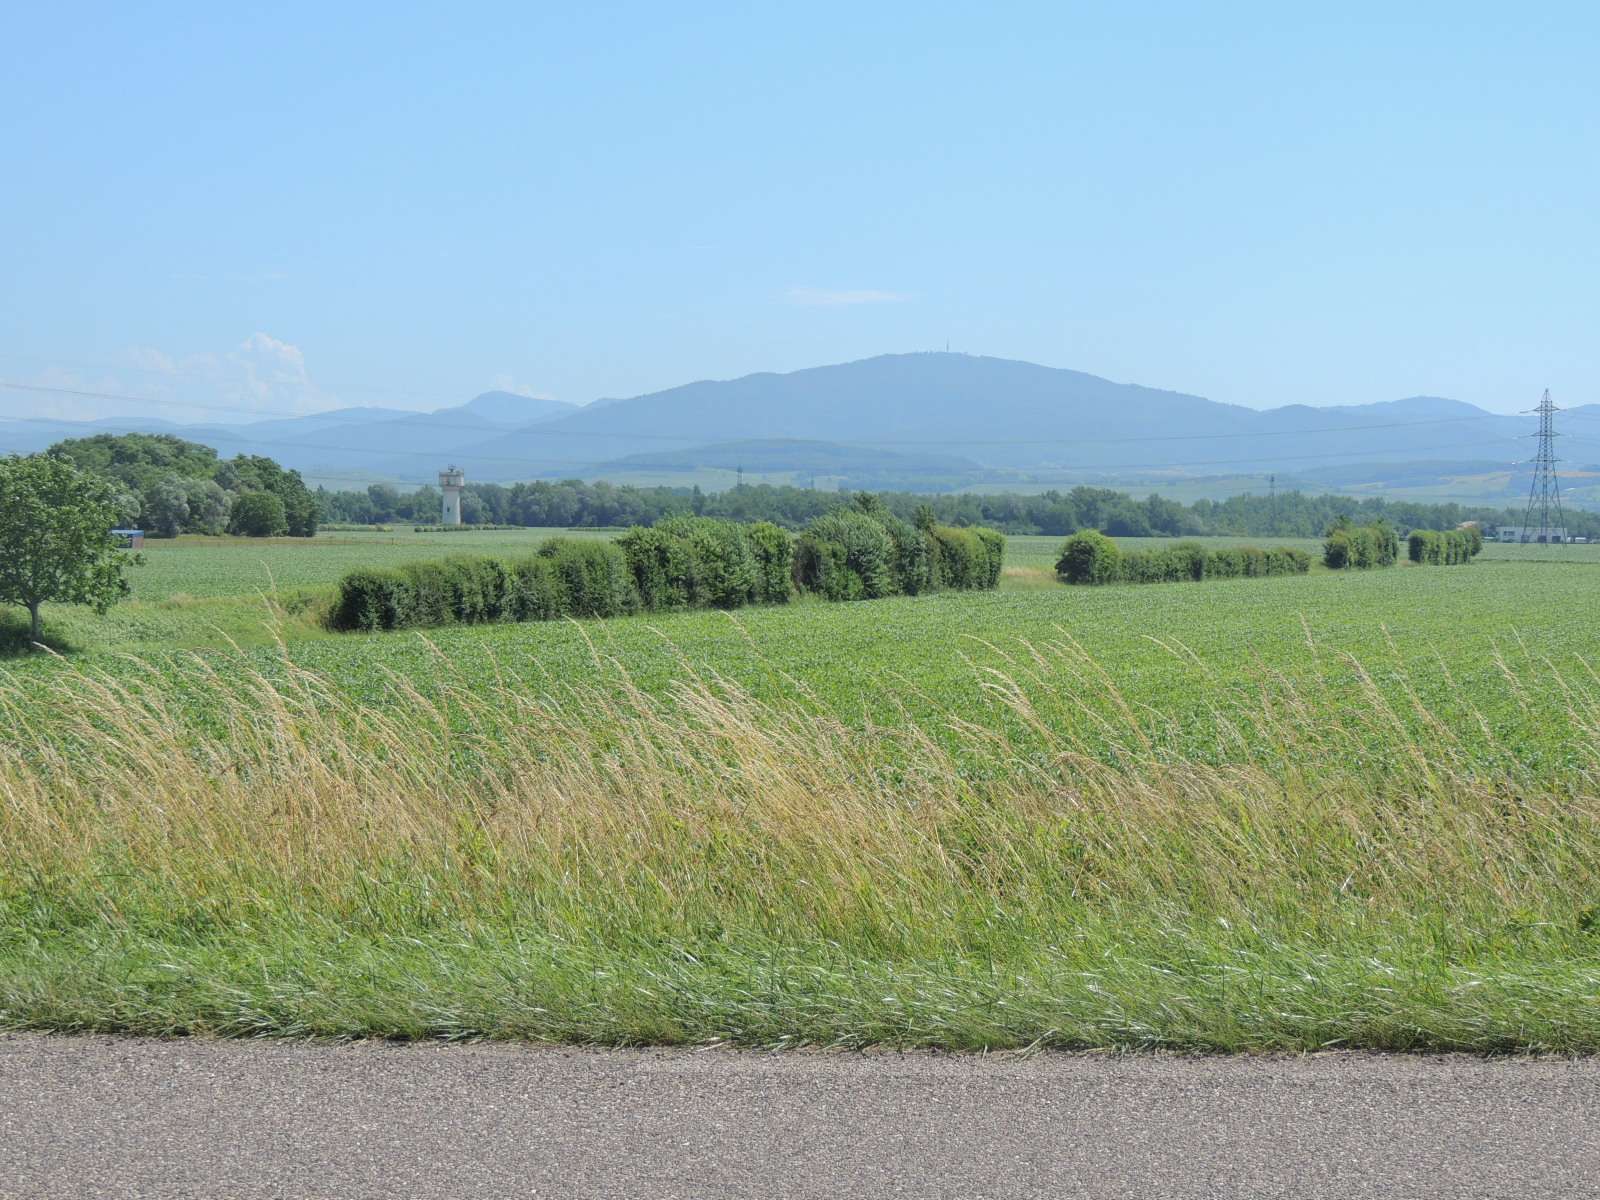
<point x="598" y="862"/>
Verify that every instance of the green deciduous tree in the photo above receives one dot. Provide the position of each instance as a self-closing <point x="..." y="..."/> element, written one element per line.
<point x="258" y="514"/>
<point x="55" y="537"/>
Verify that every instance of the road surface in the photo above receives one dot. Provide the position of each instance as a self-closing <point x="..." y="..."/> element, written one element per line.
<point x="100" y="1117"/>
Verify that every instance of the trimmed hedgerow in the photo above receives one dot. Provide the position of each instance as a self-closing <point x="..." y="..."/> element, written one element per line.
<point x="722" y="569"/>
<point x="457" y="589"/>
<point x="696" y="562"/>
<point x="662" y="565"/>
<point x="1092" y="558"/>
<point x="370" y="598"/>
<point x="683" y="562"/>
<point x="536" y="590"/>
<point x="866" y="552"/>
<point x="1089" y="557"/>
<point x="773" y="550"/>
<point x="845" y="556"/>
<point x="565" y="577"/>
<point x="1431" y="548"/>
<point x="594" y="576"/>
<point x="1362" y="547"/>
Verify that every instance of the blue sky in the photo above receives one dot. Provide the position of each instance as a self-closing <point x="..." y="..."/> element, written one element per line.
<point x="303" y="206"/>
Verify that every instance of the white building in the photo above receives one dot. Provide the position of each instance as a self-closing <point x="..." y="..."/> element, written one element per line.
<point x="1531" y="533"/>
<point x="450" y="484"/>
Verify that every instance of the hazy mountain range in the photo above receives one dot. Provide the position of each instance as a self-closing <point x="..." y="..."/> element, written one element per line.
<point x="929" y="419"/>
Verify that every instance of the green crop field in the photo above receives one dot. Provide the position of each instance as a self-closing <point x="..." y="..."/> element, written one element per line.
<point x="204" y="567"/>
<point x="214" y="567"/>
<point x="1169" y="646"/>
<point x="1345" y="808"/>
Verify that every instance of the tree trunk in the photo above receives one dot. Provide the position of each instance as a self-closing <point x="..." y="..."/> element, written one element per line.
<point x="38" y="624"/>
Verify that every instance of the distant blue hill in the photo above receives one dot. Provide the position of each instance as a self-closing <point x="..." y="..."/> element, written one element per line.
<point x="953" y="413"/>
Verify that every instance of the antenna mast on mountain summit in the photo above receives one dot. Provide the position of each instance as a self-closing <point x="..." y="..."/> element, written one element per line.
<point x="1544" y="495"/>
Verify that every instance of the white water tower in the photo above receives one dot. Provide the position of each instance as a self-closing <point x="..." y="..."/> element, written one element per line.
<point x="450" y="484"/>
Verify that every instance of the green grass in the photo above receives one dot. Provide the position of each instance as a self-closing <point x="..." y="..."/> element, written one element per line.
<point x="871" y="658"/>
<point x="1354" y="809"/>
<point x="1034" y="858"/>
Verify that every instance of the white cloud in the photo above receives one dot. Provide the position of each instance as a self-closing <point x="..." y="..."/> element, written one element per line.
<point x="833" y="298"/>
<point x="262" y="372"/>
<point x="505" y="383"/>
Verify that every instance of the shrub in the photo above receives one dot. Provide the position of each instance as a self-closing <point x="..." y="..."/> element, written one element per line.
<point x="593" y="576"/>
<point x="451" y="528"/>
<point x="1360" y="546"/>
<point x="536" y="591"/>
<point x="480" y="588"/>
<point x="683" y="562"/>
<point x="432" y="593"/>
<point x="1428" y="547"/>
<point x="913" y="557"/>
<point x="565" y="577"/>
<point x="1286" y="560"/>
<point x="1089" y="557"/>
<point x="1092" y="558"/>
<point x="845" y="556"/>
<point x="1185" y="561"/>
<point x="1425" y="547"/>
<point x="957" y="558"/>
<point x="705" y="561"/>
<point x="994" y="549"/>
<point x="773" y="551"/>
<point x="662" y="566"/>
<point x="865" y="551"/>
<point x="722" y="569"/>
<point x="370" y="598"/>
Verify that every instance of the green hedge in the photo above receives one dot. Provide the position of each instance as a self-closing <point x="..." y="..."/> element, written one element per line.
<point x="1431" y="548"/>
<point x="866" y="552"/>
<point x="1092" y="558"/>
<point x="680" y="563"/>
<point x="1088" y="558"/>
<point x="706" y="562"/>
<point x="1360" y="546"/>
<point x="565" y="577"/>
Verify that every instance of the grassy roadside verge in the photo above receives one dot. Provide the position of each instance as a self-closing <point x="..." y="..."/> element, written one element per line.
<point x="595" y="863"/>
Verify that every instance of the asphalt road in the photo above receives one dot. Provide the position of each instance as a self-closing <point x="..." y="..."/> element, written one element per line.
<point x="101" y="1117"/>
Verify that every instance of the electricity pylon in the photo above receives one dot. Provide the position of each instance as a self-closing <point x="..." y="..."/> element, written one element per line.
<point x="1544" y="496"/>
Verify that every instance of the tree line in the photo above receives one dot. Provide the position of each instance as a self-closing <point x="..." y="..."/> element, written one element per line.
<point x="573" y="503"/>
<point x="167" y="486"/>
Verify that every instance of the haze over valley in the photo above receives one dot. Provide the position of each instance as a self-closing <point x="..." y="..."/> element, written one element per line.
<point x="928" y="421"/>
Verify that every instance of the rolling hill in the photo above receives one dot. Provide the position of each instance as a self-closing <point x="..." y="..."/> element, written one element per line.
<point x="928" y="416"/>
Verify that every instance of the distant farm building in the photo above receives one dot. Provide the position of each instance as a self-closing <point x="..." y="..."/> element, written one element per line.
<point x="1532" y="533"/>
<point x="132" y="539"/>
